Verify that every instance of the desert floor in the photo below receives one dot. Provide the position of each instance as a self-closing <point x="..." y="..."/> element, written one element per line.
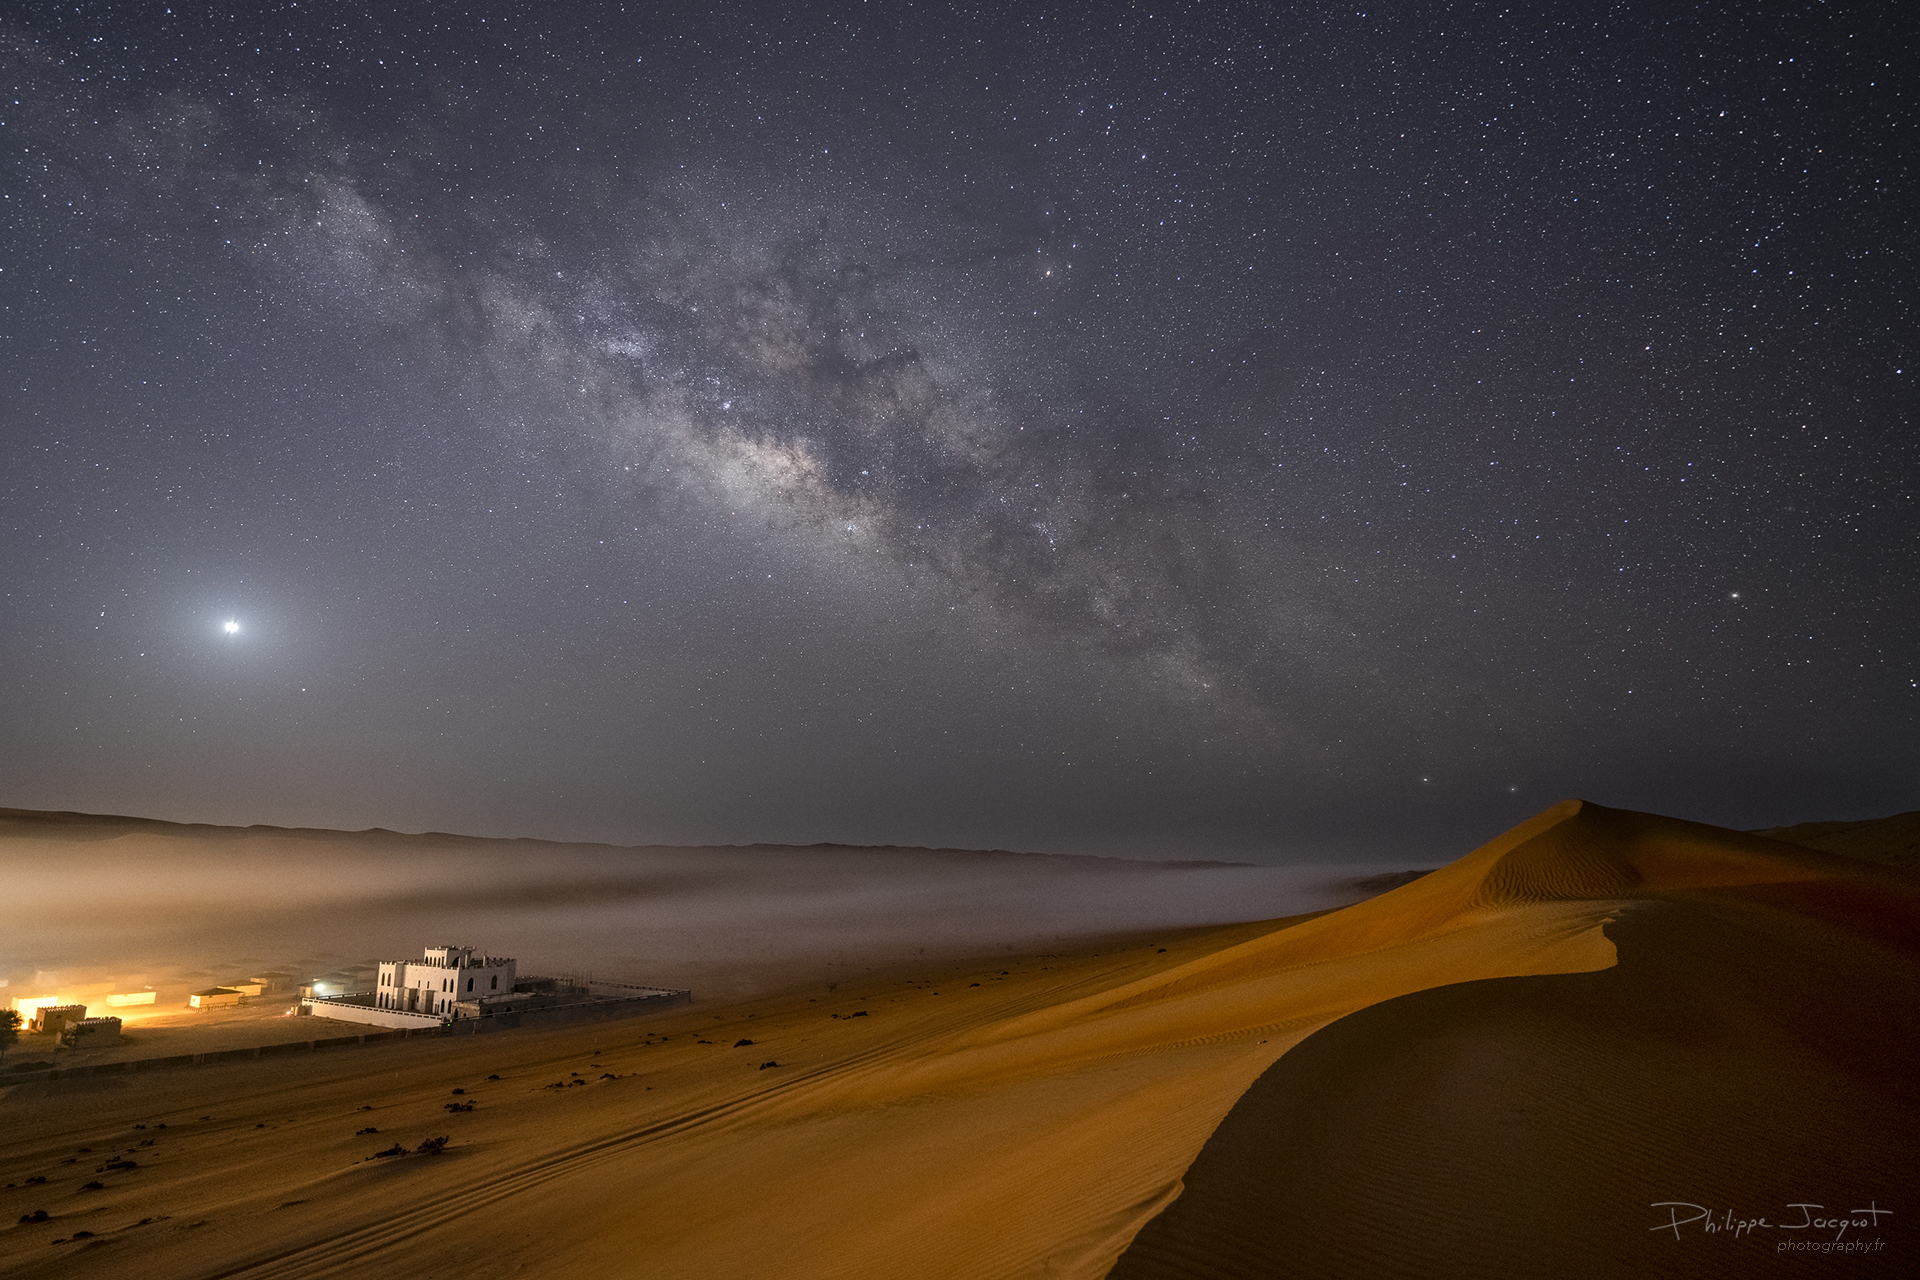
<point x="1505" y="1068"/>
<point x="165" y="1033"/>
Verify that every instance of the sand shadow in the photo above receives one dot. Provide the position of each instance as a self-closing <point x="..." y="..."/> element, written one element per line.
<point x="1741" y="1056"/>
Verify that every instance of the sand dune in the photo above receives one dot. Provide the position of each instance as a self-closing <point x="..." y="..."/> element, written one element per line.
<point x="1894" y="840"/>
<point x="1752" y="1048"/>
<point x="1458" y="1053"/>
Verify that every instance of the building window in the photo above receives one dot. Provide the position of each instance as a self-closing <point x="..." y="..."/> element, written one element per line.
<point x="469" y="984"/>
<point x="496" y="983"/>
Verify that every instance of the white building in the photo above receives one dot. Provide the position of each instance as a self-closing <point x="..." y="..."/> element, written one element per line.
<point x="452" y="987"/>
<point x="447" y="975"/>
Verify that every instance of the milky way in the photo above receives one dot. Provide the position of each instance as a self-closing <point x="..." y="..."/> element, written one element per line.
<point x="1075" y="428"/>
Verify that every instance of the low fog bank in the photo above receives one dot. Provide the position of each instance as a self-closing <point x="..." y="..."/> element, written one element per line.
<point x="97" y="902"/>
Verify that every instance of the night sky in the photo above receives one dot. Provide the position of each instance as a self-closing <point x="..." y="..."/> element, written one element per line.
<point x="1190" y="430"/>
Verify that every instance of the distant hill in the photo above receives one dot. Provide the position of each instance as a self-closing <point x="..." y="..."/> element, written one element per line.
<point x="1895" y="840"/>
<point x="50" y="824"/>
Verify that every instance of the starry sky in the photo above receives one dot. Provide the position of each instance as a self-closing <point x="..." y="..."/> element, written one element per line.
<point x="1263" y="431"/>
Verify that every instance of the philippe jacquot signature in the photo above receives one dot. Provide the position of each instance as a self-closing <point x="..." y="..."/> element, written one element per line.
<point x="1800" y="1216"/>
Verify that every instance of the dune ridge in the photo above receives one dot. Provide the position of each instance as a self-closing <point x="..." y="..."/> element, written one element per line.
<point x="1750" y="1048"/>
<point x="1893" y="840"/>
<point x="1030" y="1117"/>
<point x="1574" y="852"/>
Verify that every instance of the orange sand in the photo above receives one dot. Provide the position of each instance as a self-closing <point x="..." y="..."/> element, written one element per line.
<point x="1034" y="1124"/>
<point x="1894" y="840"/>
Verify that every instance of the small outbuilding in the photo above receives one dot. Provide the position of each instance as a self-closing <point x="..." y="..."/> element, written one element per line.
<point x="91" y="1033"/>
<point x="55" y="1017"/>
<point x="213" y="998"/>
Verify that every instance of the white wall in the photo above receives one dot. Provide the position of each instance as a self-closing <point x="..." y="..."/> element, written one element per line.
<point x="367" y="1014"/>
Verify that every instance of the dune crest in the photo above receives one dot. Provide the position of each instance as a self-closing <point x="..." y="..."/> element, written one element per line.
<point x="1713" y="1064"/>
<point x="1573" y="852"/>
